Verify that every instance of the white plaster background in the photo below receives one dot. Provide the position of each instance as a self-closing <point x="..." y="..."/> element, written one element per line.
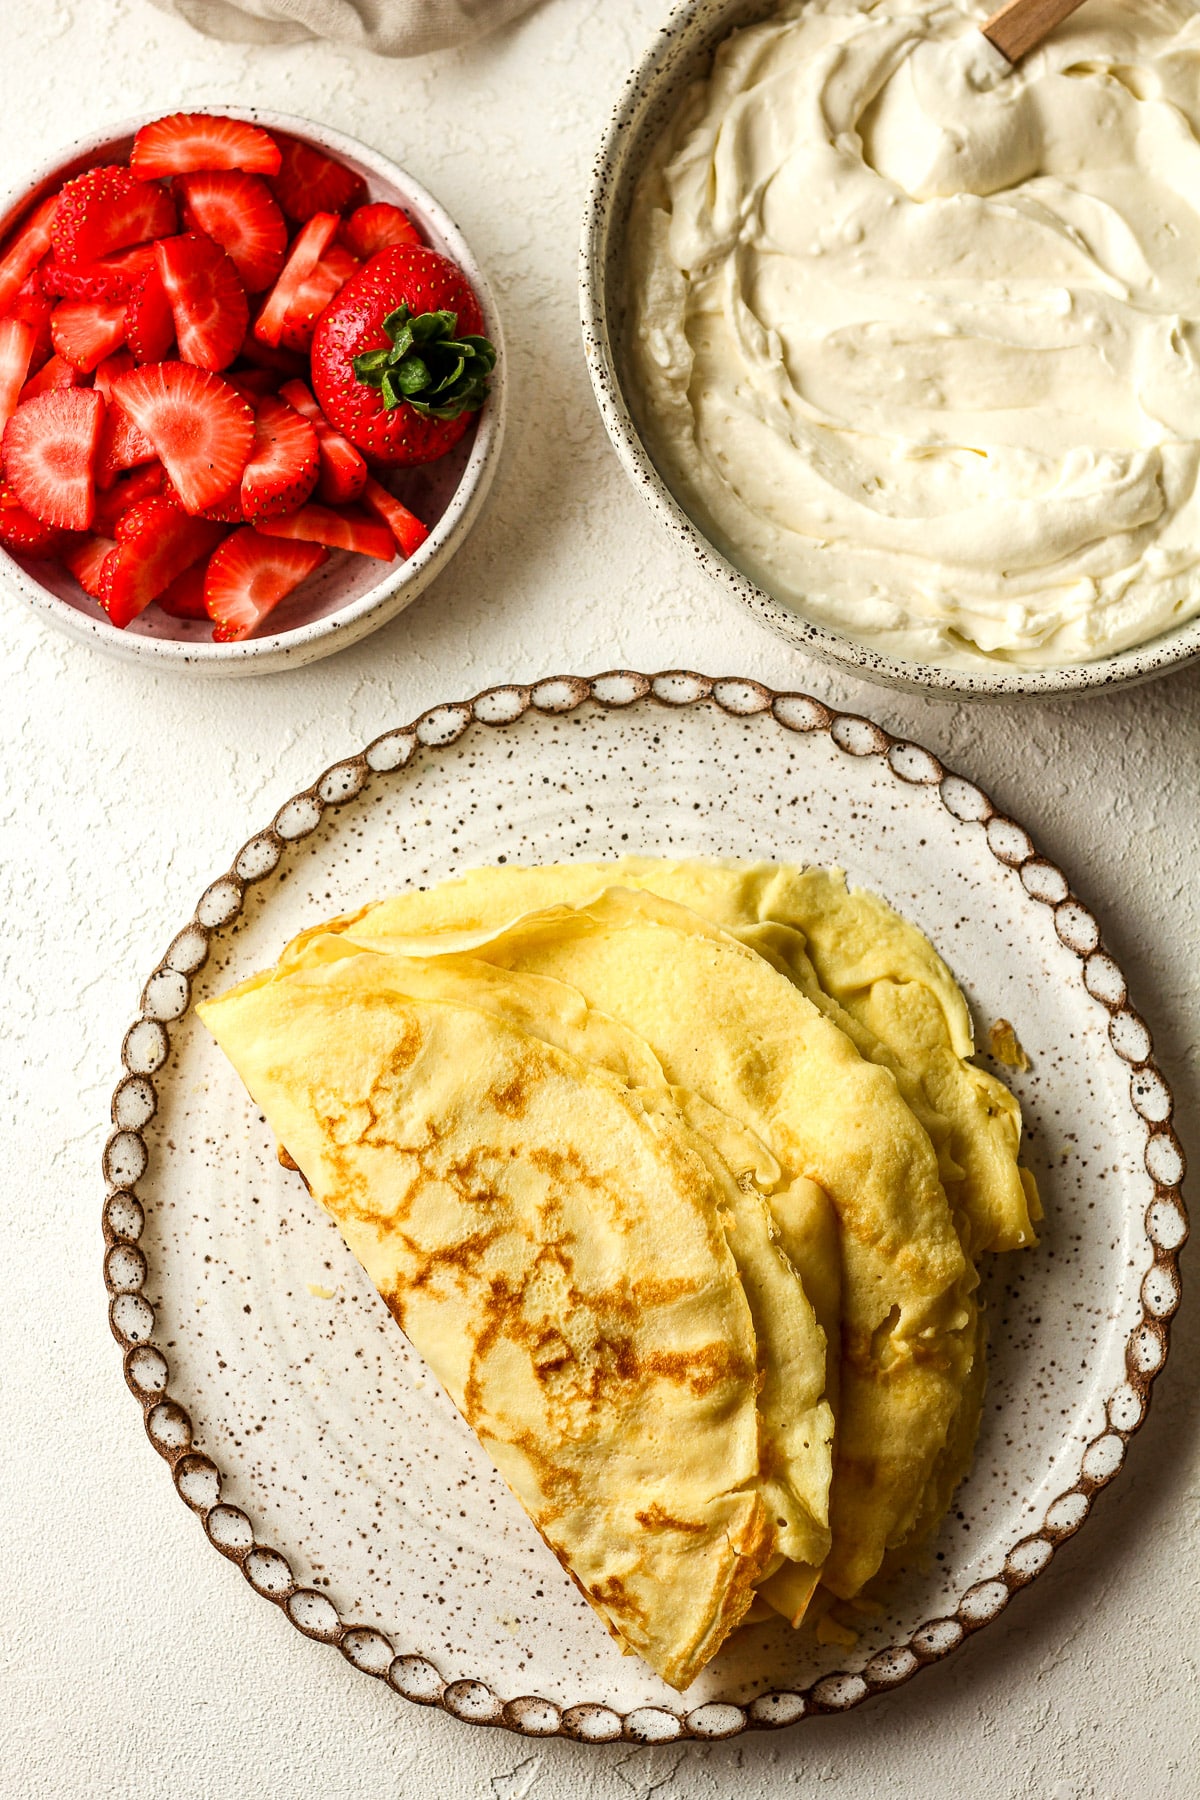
<point x="135" y="1661"/>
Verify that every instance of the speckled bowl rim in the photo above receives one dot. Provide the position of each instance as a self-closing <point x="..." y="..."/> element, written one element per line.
<point x="687" y="29"/>
<point x="167" y="997"/>
<point x="404" y="580"/>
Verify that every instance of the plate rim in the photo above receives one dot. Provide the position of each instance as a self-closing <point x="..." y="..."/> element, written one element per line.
<point x="166" y="998"/>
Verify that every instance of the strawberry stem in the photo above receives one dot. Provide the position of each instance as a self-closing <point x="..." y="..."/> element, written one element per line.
<point x="426" y="366"/>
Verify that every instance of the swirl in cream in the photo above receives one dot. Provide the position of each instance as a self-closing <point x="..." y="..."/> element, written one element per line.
<point x="916" y="336"/>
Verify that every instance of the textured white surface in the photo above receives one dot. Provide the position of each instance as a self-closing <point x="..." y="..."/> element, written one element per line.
<point x="135" y="1660"/>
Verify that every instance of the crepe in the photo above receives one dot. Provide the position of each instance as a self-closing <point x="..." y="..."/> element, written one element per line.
<point x="596" y="1058"/>
<point x="563" y="1328"/>
<point x="869" y="968"/>
<point x="725" y="1024"/>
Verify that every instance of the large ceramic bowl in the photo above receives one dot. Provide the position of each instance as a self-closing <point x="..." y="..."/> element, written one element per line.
<point x="679" y="55"/>
<point x="348" y="597"/>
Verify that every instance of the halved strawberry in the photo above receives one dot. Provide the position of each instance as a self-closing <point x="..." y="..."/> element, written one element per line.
<point x="50" y="449"/>
<point x="207" y="300"/>
<point x="112" y="278"/>
<point x="376" y="226"/>
<point x="202" y="430"/>
<point x="86" y="331"/>
<point x="310" y="182"/>
<point x="308" y="247"/>
<point x="16" y="347"/>
<point x="185" y="141"/>
<point x="149" y="322"/>
<point x="340" y="530"/>
<point x="21" y="532"/>
<point x="26" y="251"/>
<point x="156" y="541"/>
<point x="122" y="445"/>
<point x="54" y="374"/>
<point x="314" y="294"/>
<point x="405" y="526"/>
<point x="34" y="307"/>
<point x="184" y="599"/>
<point x="284" y="464"/>
<point x="249" y="575"/>
<point x="343" y="470"/>
<point x="104" y="210"/>
<point x="125" y="494"/>
<point x="86" y="559"/>
<point x="240" y="213"/>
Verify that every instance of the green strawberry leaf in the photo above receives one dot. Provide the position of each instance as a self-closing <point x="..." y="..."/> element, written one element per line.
<point x="427" y="366"/>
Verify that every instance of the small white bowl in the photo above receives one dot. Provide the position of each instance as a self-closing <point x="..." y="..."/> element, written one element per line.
<point x="348" y="597"/>
<point x="681" y="54"/>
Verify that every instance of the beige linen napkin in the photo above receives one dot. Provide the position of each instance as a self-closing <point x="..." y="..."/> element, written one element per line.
<point x="390" y="27"/>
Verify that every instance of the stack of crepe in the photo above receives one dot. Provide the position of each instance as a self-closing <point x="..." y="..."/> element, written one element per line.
<point x="676" y="1174"/>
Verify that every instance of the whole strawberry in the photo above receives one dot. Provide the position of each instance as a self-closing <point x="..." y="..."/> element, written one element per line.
<point x="399" y="362"/>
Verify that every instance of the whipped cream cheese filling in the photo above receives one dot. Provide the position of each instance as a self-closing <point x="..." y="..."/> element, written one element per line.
<point x="915" y="335"/>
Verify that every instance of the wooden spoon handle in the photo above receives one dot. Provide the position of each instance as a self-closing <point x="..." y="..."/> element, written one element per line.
<point x="1020" y="24"/>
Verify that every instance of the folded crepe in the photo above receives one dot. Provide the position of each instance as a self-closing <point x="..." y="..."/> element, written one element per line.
<point x="901" y="1435"/>
<point x="584" y="1055"/>
<point x="556" y="1244"/>
<point x="870" y="969"/>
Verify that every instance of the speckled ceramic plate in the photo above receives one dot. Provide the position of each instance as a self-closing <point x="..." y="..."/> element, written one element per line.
<point x="313" y="1446"/>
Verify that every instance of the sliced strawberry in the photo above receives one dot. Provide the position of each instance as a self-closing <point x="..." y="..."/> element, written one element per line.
<point x="340" y="530"/>
<point x="252" y="384"/>
<point x="405" y="526"/>
<point x="86" y="559"/>
<point x="207" y="300"/>
<point x="284" y="365"/>
<point x="314" y="294"/>
<point x="34" y="308"/>
<point x="227" y="511"/>
<point x="375" y="227"/>
<point x="26" y="251"/>
<point x="156" y="541"/>
<point x="310" y="182"/>
<point x="112" y="278"/>
<point x="284" y="464"/>
<point x="240" y="213"/>
<point x="149" y="322"/>
<point x="122" y="446"/>
<point x="125" y="494"/>
<point x="21" y="532"/>
<point x="201" y="429"/>
<point x="54" y="374"/>
<point x="249" y="575"/>
<point x="104" y="210"/>
<point x="334" y="269"/>
<point x="185" y="141"/>
<point x="110" y="370"/>
<point x="309" y="246"/>
<point x="50" y="449"/>
<point x="184" y="599"/>
<point x="343" y="469"/>
<point x="86" y="331"/>
<point x="16" y="347"/>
